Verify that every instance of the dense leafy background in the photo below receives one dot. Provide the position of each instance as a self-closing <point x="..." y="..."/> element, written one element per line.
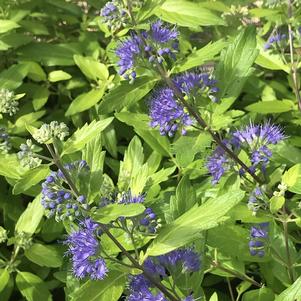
<point x="60" y="55"/>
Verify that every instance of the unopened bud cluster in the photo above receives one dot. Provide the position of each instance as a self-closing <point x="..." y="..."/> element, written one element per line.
<point x="47" y="132"/>
<point x="8" y="103"/>
<point x="114" y="14"/>
<point x="26" y="155"/>
<point x="5" y="145"/>
<point x="3" y="235"/>
<point x="60" y="201"/>
<point x="23" y="240"/>
<point x="257" y="200"/>
<point x="282" y="189"/>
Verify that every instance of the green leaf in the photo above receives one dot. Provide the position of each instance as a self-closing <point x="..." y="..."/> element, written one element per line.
<point x="30" y="178"/>
<point x="13" y="40"/>
<point x="95" y="157"/>
<point x="85" y="101"/>
<point x="4" y="278"/>
<point x="186" y="147"/>
<point x="58" y="75"/>
<point x="12" y="77"/>
<point x="273" y="106"/>
<point x="30" y="219"/>
<point x="36" y="72"/>
<point x="224" y="237"/>
<point x="262" y="294"/>
<point x="200" y="56"/>
<point x="27" y="119"/>
<point x="214" y="297"/>
<point x="108" y="289"/>
<point x="10" y="166"/>
<point x="32" y="287"/>
<point x="40" y="97"/>
<point x="131" y="164"/>
<point x="49" y="54"/>
<point x="152" y="137"/>
<point x="269" y="60"/>
<point x="186" y="13"/>
<point x="187" y="227"/>
<point x="292" y="179"/>
<point x="286" y="153"/>
<point x="45" y="255"/>
<point x="236" y="64"/>
<point x="291" y="293"/>
<point x="83" y="135"/>
<point x="7" y="25"/>
<point x="126" y="94"/>
<point x="91" y="68"/>
<point x="276" y="203"/>
<point x="185" y="198"/>
<point x="113" y="211"/>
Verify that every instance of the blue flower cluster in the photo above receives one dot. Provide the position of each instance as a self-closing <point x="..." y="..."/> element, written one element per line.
<point x="258" y="238"/>
<point x="146" y="222"/>
<point x="155" y="44"/>
<point x="255" y="140"/>
<point x="167" y="113"/>
<point x="60" y="201"/>
<point x="194" y="84"/>
<point x="182" y="260"/>
<point x="165" y="109"/>
<point x="274" y="40"/>
<point x="84" y="249"/>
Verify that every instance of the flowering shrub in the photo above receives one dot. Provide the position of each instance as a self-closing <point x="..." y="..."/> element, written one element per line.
<point x="150" y="150"/>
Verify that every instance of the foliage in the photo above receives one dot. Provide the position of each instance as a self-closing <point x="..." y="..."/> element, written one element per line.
<point x="150" y="150"/>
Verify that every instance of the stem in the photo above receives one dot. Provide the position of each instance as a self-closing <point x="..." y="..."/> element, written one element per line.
<point x="291" y="47"/>
<point x="236" y="274"/>
<point x="57" y="162"/>
<point x="204" y="125"/>
<point x="193" y="112"/>
<point x="42" y="157"/>
<point x="288" y="254"/>
<point x="134" y="243"/>
<point x="230" y="289"/>
<point x="104" y="229"/>
<point x="136" y="264"/>
<point x="14" y="254"/>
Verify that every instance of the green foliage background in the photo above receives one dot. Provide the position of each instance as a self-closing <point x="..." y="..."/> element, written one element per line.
<point x="60" y="55"/>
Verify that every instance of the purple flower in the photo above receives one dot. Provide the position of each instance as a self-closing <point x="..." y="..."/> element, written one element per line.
<point x="140" y="290"/>
<point x="109" y="10"/>
<point x="84" y="252"/>
<point x="166" y="113"/>
<point x="155" y="44"/>
<point x="153" y="268"/>
<point x="254" y="140"/>
<point x="57" y="199"/>
<point x="274" y="40"/>
<point x="128" y="52"/>
<point x="255" y="199"/>
<point x="258" y="237"/>
<point x="217" y="164"/>
<point x="160" y="33"/>
<point x="187" y="258"/>
<point x="194" y="84"/>
<point x="129" y="198"/>
<point x="114" y="14"/>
